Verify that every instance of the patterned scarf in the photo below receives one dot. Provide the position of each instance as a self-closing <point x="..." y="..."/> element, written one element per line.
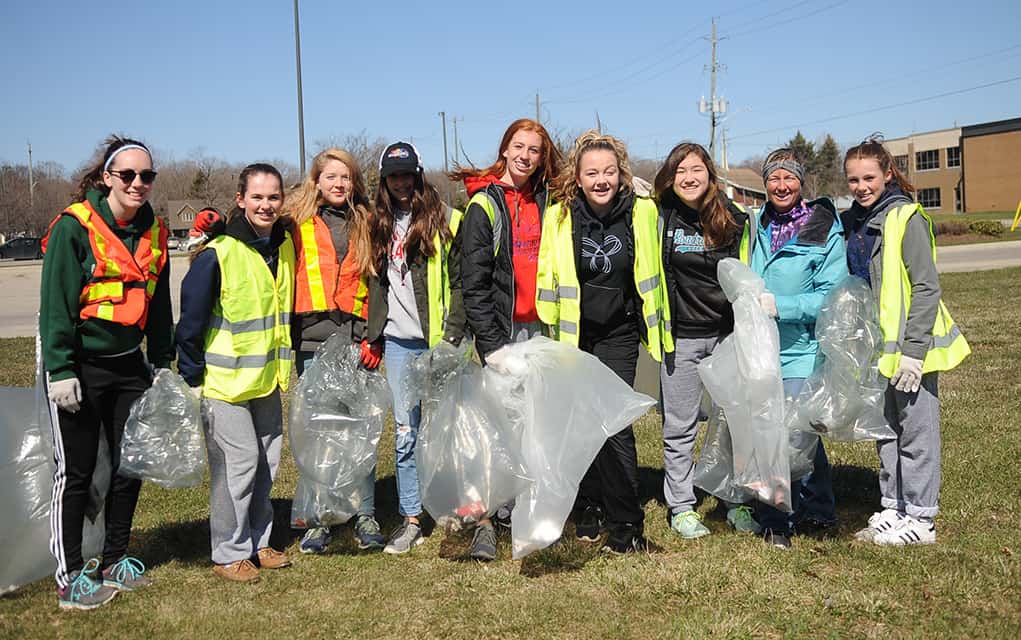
<point x="784" y="226"/>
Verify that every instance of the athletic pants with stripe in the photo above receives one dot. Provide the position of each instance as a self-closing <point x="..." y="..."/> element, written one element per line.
<point x="109" y="387"/>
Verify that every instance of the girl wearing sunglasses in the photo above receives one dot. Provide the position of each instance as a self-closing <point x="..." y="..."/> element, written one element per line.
<point x="92" y="334"/>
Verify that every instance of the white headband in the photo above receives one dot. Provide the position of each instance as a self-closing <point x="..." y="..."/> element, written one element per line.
<point x="109" y="161"/>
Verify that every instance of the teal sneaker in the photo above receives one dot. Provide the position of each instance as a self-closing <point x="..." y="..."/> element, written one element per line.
<point x="741" y="519"/>
<point x="689" y="525"/>
<point x="85" y="592"/>
<point x="127" y="574"/>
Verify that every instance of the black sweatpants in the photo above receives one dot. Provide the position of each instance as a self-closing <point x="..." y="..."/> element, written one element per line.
<point x="611" y="482"/>
<point x="109" y="387"/>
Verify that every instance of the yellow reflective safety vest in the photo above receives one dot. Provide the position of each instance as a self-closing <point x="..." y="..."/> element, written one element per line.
<point x="744" y="249"/>
<point x="484" y="200"/>
<point x="248" y="342"/>
<point x="438" y="280"/>
<point x="558" y="295"/>
<point x="948" y="347"/>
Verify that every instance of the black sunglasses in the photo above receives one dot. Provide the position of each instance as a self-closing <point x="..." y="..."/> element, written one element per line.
<point x="128" y="175"/>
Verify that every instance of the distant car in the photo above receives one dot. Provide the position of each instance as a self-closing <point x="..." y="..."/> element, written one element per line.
<point x="22" y="249"/>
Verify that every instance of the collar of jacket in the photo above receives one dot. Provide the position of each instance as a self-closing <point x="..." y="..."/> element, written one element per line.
<point x="239" y="229"/>
<point x="623" y="203"/>
<point x="140" y="223"/>
<point x="673" y="209"/>
<point x="539" y="191"/>
<point x="328" y="210"/>
<point x="876" y="216"/>
<point x="816" y="229"/>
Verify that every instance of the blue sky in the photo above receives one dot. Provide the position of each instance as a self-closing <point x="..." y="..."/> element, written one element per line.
<point x="218" y="78"/>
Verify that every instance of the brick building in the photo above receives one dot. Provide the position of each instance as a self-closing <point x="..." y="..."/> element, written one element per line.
<point x="992" y="171"/>
<point x="932" y="163"/>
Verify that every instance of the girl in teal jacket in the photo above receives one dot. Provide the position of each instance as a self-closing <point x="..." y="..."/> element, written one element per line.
<point x="798" y="249"/>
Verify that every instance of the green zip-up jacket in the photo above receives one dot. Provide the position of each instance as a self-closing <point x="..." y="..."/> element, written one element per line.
<point x="67" y="267"/>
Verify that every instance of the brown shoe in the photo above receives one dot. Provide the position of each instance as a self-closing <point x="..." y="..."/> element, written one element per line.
<point x="240" y="571"/>
<point x="270" y="558"/>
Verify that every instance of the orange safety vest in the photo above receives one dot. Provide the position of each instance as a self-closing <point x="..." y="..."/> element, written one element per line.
<point x="121" y="284"/>
<point x="319" y="284"/>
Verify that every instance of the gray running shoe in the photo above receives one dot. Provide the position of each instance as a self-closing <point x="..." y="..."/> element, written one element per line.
<point x="84" y="591"/>
<point x="484" y="543"/>
<point x="127" y="574"/>
<point x="404" y="538"/>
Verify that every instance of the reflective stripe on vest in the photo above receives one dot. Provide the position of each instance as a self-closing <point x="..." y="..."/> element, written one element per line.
<point x="248" y="341"/>
<point x="320" y="285"/>
<point x="948" y="347"/>
<point x="121" y="284"/>
<point x="557" y="299"/>
<point x="437" y="280"/>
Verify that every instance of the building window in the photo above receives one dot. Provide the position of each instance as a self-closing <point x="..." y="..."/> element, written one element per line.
<point x="929" y="198"/>
<point x="953" y="156"/>
<point x="902" y="163"/>
<point x="926" y="160"/>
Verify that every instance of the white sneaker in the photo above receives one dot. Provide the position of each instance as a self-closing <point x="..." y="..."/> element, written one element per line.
<point x="908" y="531"/>
<point x="879" y="522"/>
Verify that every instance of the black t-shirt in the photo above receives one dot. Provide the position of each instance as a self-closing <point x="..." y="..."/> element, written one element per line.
<point x="604" y="249"/>
<point x="698" y="307"/>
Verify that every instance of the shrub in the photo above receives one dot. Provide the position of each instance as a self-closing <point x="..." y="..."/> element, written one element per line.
<point x="953" y="228"/>
<point x="986" y="227"/>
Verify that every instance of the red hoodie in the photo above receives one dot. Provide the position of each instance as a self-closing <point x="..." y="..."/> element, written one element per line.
<point x="526" y="230"/>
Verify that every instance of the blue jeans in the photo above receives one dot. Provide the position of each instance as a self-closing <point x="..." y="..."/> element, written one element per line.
<point x="812" y="496"/>
<point x="367" y="507"/>
<point x="398" y="353"/>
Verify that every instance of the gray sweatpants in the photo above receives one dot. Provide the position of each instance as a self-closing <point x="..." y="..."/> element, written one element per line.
<point x="909" y="467"/>
<point x="244" y="442"/>
<point x="681" y="393"/>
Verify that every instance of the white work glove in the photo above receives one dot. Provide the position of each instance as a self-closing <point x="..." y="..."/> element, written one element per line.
<point x="768" y="303"/>
<point x="908" y="376"/>
<point x="505" y="362"/>
<point x="66" y="394"/>
<point x="196" y="391"/>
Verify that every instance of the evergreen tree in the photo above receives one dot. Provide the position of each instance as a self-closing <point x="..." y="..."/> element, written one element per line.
<point x="829" y="173"/>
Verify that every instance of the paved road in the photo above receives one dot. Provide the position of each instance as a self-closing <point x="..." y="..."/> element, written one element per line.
<point x="19" y="291"/>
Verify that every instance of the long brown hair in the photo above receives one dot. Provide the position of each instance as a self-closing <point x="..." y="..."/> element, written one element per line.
<point x="872" y="148"/>
<point x="92" y="179"/>
<point x="565" y="185"/>
<point x="548" y="167"/>
<point x="718" y="225"/>
<point x="428" y="217"/>
<point x="305" y="199"/>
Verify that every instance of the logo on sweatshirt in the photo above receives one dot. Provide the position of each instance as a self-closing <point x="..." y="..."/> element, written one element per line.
<point x="599" y="254"/>
<point x="688" y="243"/>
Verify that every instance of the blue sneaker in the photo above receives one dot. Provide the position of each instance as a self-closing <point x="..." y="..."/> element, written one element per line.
<point x="367" y="533"/>
<point x="84" y="592"/>
<point x="315" y="540"/>
<point x="126" y="575"/>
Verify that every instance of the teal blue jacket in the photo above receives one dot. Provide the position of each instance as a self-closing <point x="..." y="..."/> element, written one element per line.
<point x="799" y="275"/>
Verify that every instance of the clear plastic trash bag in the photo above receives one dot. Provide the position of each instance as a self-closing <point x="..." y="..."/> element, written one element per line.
<point x="743" y="377"/>
<point x="468" y="455"/>
<point x="315" y="505"/>
<point x="566" y="403"/>
<point x="163" y="436"/>
<point x="336" y="416"/>
<point x="843" y="399"/>
<point x="26" y="485"/>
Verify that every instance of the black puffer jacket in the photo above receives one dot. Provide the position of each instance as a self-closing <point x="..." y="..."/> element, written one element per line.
<point x="488" y="279"/>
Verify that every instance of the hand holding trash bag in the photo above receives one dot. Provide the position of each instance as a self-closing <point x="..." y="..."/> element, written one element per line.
<point x="163" y="439"/>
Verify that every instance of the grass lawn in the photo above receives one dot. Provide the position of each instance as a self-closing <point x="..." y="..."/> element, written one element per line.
<point x="724" y="585"/>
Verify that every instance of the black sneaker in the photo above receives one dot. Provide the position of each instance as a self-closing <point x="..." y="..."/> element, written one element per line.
<point x="589" y="525"/>
<point x="625" y="539"/>
<point x="776" y="539"/>
<point x="814" y="526"/>
<point x="483" y="543"/>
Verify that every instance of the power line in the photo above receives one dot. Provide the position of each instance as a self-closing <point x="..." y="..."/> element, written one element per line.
<point x="882" y="108"/>
<point x="787" y="21"/>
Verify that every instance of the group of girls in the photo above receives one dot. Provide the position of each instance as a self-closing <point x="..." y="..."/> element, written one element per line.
<point x="564" y="247"/>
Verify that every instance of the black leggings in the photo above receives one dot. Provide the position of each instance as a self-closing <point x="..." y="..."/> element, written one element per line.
<point x="109" y="387"/>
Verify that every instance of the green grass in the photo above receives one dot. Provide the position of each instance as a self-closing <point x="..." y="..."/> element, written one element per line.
<point x="725" y="585"/>
<point x="975" y="238"/>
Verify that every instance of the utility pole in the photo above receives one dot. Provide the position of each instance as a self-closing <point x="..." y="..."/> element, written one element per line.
<point x="446" y="162"/>
<point x="537" y="118"/>
<point x="716" y="106"/>
<point x="31" y="182"/>
<point x="301" y="111"/>
<point x="456" y="147"/>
